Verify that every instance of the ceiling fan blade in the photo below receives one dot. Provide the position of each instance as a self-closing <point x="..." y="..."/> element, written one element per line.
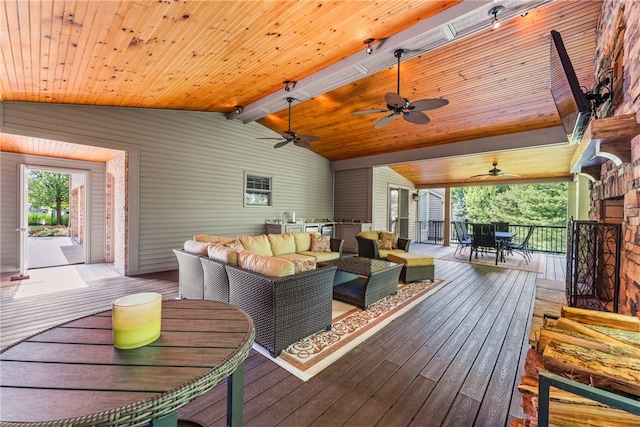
<point x="510" y="175"/>
<point x="427" y="104"/>
<point x="281" y="143"/>
<point x="288" y="134"/>
<point x="302" y="143"/>
<point x="416" y="117"/>
<point x="307" y="138"/>
<point x="394" y="99"/>
<point x="383" y="121"/>
<point x="370" y="111"/>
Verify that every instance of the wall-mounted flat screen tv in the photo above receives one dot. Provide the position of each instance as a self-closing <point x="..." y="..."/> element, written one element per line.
<point x="572" y="104"/>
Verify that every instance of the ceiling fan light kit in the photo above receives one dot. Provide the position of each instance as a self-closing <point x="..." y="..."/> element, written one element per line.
<point x="495" y="173"/>
<point x="399" y="105"/>
<point x="495" y="11"/>
<point x="368" y="42"/>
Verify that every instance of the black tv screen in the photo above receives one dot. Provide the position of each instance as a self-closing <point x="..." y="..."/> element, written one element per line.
<point x="572" y="104"/>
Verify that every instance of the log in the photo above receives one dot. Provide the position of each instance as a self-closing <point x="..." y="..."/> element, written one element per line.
<point x="602" y="318"/>
<point x="570" y="325"/>
<point x="547" y="335"/>
<point x="617" y="374"/>
<point x="568" y="409"/>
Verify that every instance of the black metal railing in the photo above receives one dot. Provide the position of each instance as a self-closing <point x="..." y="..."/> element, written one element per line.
<point x="430" y="232"/>
<point x="545" y="238"/>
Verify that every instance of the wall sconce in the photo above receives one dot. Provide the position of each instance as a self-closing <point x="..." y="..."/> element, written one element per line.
<point x="416" y="197"/>
<point x="239" y="109"/>
<point x="368" y="42"/>
<point x="495" y="11"/>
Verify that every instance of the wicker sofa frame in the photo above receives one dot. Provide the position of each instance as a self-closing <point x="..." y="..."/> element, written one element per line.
<point x="200" y="277"/>
<point x="284" y="309"/>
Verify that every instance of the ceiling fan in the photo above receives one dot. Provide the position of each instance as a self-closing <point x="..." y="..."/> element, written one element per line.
<point x="495" y="172"/>
<point x="290" y="136"/>
<point x="398" y="105"/>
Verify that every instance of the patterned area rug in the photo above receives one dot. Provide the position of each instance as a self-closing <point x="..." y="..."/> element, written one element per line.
<point x="350" y="327"/>
<point x="515" y="261"/>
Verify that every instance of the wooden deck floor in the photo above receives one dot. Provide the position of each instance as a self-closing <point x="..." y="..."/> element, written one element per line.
<point x="453" y="360"/>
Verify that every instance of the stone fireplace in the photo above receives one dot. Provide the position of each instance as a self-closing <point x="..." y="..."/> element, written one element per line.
<point x="615" y="195"/>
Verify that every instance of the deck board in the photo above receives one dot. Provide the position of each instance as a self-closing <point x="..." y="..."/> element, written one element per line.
<point x="453" y="360"/>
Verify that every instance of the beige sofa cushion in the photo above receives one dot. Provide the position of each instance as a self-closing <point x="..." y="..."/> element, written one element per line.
<point x="297" y="255"/>
<point x="371" y="235"/>
<point x="222" y="253"/>
<point x="303" y="240"/>
<point x="194" y="247"/>
<point x="321" y="256"/>
<point x="282" y="243"/>
<point x="382" y="253"/>
<point x="267" y="265"/>
<point x="211" y="239"/>
<point x="258" y="244"/>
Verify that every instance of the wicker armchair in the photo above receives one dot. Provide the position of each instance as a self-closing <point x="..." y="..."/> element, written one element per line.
<point x="368" y="248"/>
<point x="284" y="309"/>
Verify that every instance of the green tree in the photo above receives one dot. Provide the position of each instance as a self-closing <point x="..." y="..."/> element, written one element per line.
<point x="47" y="189"/>
<point x="530" y="204"/>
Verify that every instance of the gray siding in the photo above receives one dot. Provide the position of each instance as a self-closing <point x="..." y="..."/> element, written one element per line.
<point x="353" y="190"/>
<point x="186" y="175"/>
<point x="383" y="177"/>
<point x="9" y="172"/>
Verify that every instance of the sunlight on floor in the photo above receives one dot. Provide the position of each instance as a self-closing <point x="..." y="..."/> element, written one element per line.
<point x="57" y="279"/>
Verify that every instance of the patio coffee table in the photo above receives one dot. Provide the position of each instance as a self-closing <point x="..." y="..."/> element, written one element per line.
<point x="363" y="281"/>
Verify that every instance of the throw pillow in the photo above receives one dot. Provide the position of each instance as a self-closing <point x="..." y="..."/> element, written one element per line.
<point x="384" y="244"/>
<point x="320" y="243"/>
<point x="234" y="245"/>
<point x="391" y="237"/>
<point x="300" y="265"/>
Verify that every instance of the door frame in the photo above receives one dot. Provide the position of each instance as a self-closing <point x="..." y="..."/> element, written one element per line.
<point x="23" y="197"/>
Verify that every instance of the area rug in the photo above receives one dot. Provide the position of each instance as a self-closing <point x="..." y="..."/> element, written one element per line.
<point x="350" y="327"/>
<point x="515" y="261"/>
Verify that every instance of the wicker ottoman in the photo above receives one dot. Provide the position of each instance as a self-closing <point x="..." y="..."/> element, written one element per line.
<point x="415" y="267"/>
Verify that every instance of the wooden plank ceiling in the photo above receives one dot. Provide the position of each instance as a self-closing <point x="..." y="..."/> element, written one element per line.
<point x="212" y="56"/>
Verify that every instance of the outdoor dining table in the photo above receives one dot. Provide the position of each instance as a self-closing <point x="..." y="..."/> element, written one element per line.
<point x="73" y="375"/>
<point x="503" y="237"/>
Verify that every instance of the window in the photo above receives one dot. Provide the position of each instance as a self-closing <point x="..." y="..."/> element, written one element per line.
<point x="257" y="190"/>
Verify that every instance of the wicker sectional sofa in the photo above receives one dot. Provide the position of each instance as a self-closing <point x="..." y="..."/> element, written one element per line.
<point x="286" y="294"/>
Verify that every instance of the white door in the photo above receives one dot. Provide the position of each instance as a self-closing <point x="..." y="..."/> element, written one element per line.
<point x="23" y="220"/>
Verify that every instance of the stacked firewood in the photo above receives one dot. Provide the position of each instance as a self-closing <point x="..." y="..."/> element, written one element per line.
<point x="596" y="348"/>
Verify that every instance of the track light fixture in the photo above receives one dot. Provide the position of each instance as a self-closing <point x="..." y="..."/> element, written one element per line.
<point x="239" y="109"/>
<point x="495" y="11"/>
<point x="287" y="83"/>
<point x="368" y="42"/>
